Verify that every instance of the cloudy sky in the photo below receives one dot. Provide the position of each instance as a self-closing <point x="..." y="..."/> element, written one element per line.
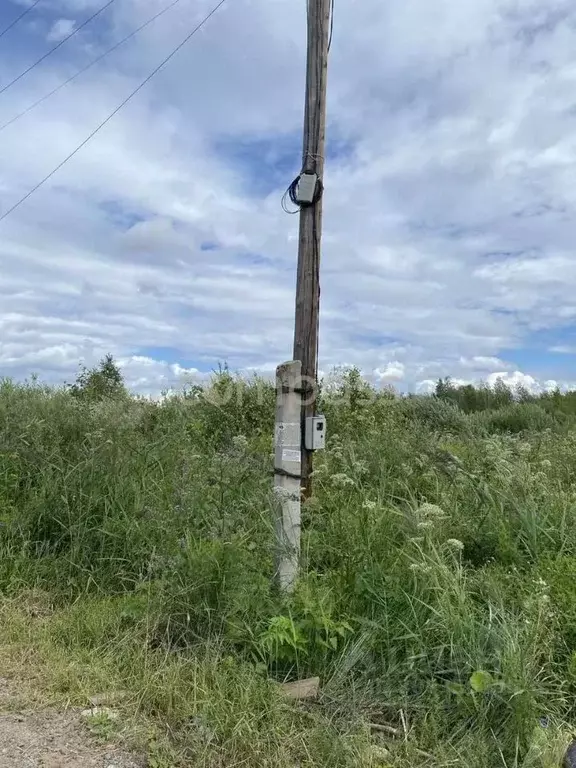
<point x="450" y="203"/>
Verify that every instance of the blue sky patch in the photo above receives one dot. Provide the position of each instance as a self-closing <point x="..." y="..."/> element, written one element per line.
<point x="538" y="355"/>
<point x="120" y="216"/>
<point x="271" y="163"/>
<point x="209" y="245"/>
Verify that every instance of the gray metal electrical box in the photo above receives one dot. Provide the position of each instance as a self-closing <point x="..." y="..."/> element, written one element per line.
<point x="306" y="189"/>
<point x="315" y="433"/>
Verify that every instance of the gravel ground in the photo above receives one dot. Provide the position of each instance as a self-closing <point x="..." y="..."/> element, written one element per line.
<point x="49" y="739"/>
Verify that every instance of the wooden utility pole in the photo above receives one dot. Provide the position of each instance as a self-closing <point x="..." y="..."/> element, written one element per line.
<point x="308" y="277"/>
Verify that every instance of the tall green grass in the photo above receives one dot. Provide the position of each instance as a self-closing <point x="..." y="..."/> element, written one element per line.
<point x="437" y="594"/>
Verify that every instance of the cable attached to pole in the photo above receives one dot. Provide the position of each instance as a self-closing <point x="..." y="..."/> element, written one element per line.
<point x="304" y="192"/>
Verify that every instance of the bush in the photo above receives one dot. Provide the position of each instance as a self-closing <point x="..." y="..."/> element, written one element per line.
<point x="435" y="414"/>
<point x="103" y="381"/>
<point x="516" y="418"/>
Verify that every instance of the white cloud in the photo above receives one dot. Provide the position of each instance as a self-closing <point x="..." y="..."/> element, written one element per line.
<point x="563" y="349"/>
<point x="480" y="363"/>
<point x="394" y="371"/>
<point x="525" y="381"/>
<point x="425" y="387"/>
<point x="515" y="380"/>
<point x="145" y="375"/>
<point x="449" y="206"/>
<point x="60" y="29"/>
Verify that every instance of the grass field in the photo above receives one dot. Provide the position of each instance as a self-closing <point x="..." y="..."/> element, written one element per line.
<point x="438" y="590"/>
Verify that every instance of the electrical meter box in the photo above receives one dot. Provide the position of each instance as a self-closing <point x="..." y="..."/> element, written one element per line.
<point x="306" y="190"/>
<point x="315" y="433"/>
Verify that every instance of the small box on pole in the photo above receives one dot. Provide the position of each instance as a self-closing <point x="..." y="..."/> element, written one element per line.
<point x="306" y="190"/>
<point x="315" y="433"/>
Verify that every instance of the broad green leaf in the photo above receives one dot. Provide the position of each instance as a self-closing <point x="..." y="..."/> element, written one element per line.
<point x="481" y="681"/>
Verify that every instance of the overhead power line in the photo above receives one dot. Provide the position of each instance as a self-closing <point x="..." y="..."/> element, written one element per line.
<point x="89" y="65"/>
<point x="13" y="23"/>
<point x="104" y="122"/>
<point x="58" y="45"/>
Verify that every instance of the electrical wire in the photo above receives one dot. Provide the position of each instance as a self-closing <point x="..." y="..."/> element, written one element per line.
<point x="13" y="23"/>
<point x="104" y="122"/>
<point x="58" y="45"/>
<point x="331" y="25"/>
<point x="90" y="64"/>
<point x="291" y="195"/>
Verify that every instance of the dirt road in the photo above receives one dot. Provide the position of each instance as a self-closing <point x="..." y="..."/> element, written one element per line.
<point x="49" y="739"/>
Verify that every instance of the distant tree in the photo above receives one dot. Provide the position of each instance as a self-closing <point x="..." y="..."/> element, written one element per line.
<point x="482" y="397"/>
<point x="103" y="381"/>
<point x="443" y="388"/>
<point x="503" y="395"/>
<point x="447" y="390"/>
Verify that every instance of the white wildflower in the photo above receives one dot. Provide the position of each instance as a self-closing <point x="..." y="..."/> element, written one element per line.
<point x="455" y="544"/>
<point x="370" y="505"/>
<point x="425" y="525"/>
<point x="419" y="567"/>
<point x="546" y="463"/>
<point x="341" y="480"/>
<point x="431" y="511"/>
<point x="240" y="443"/>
